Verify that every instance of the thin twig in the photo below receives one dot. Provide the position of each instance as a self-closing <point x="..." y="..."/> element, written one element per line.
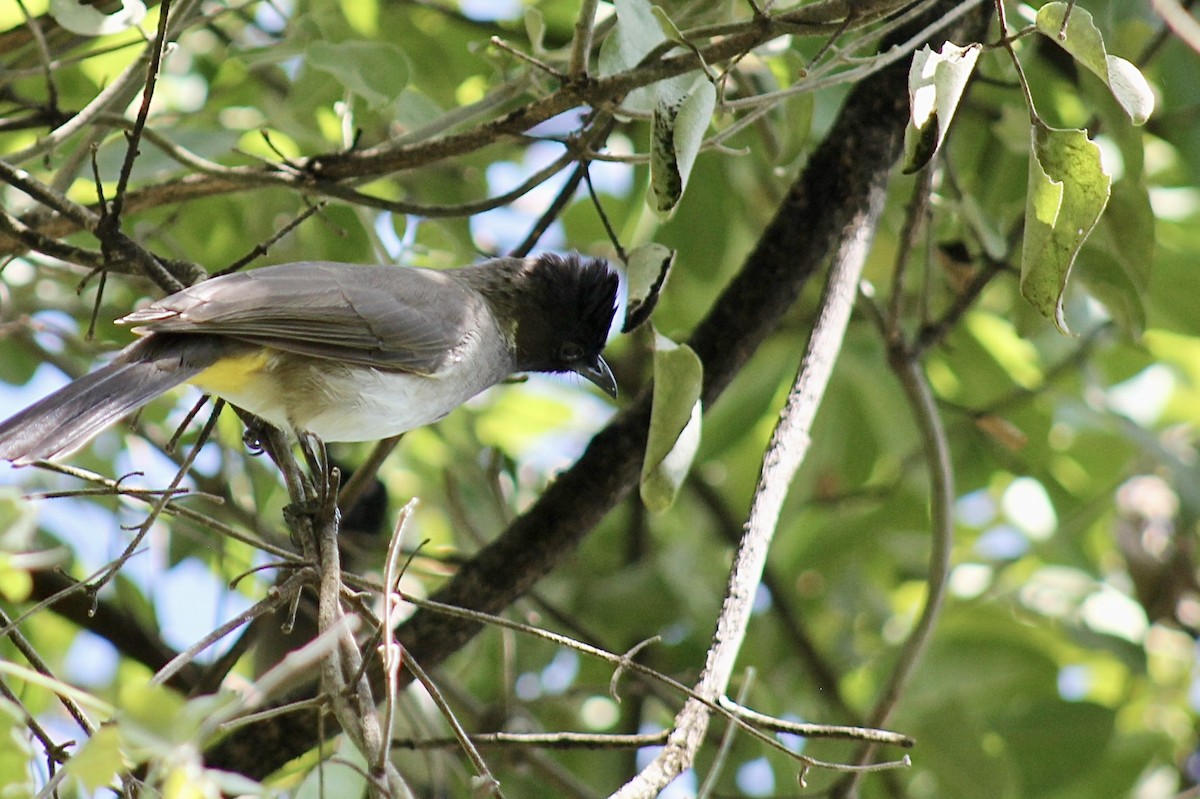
<point x="628" y="664"/>
<point x="30" y="654"/>
<point x="359" y="482"/>
<point x="263" y="606"/>
<point x="45" y="61"/>
<point x="54" y="752"/>
<point x="262" y="248"/>
<point x="392" y="651"/>
<point x="488" y="784"/>
<point x="941" y="504"/>
<point x="581" y="40"/>
<point x="727" y="738"/>
<point x="158" y="507"/>
<point x="116" y="94"/>
<point x="113" y="218"/>
<point x="542" y="740"/>
<point x="914" y="216"/>
<point x="527" y="58"/>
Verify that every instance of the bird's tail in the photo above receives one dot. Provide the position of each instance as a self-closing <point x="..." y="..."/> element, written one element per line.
<point x="67" y="419"/>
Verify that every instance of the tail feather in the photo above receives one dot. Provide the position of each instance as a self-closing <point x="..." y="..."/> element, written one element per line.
<point x="67" y="419"/>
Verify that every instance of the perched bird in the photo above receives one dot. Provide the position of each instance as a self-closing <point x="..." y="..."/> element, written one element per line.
<point x="341" y="351"/>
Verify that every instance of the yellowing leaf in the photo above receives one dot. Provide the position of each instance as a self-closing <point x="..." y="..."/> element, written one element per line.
<point x="1081" y="38"/>
<point x="1067" y="191"/>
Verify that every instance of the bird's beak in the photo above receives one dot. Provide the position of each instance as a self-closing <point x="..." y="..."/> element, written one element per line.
<point x="598" y="373"/>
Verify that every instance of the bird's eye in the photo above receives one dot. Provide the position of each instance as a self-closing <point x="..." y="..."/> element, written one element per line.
<point x="570" y="351"/>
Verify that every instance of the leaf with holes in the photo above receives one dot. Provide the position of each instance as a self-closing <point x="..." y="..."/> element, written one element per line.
<point x="1081" y="38"/>
<point x="1067" y="191"/>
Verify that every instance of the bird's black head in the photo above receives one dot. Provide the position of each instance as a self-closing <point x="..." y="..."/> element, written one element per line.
<point x="563" y="309"/>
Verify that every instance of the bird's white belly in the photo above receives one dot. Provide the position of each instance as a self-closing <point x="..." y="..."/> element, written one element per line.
<point x="343" y="402"/>
<point x="368" y="404"/>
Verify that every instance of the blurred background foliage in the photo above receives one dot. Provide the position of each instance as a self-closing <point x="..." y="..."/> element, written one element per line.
<point x="1065" y="664"/>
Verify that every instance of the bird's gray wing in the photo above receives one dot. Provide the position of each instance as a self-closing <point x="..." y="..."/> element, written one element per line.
<point x="398" y="318"/>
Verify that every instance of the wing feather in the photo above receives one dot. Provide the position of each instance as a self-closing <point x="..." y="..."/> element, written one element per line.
<point x="387" y="317"/>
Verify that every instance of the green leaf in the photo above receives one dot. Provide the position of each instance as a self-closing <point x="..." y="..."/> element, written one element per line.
<point x="1131" y="89"/>
<point x="535" y="29"/>
<point x="1078" y="732"/>
<point x="98" y="760"/>
<point x="15" y="582"/>
<point x="375" y="71"/>
<point x="646" y="273"/>
<point x="1109" y="283"/>
<point x="1067" y="191"/>
<point x="85" y="20"/>
<point x="1081" y="38"/>
<point x="670" y="29"/>
<point x="16" y="752"/>
<point x="674" y="423"/>
<point x="636" y="33"/>
<point x="342" y="775"/>
<point x="1130" y="223"/>
<point x="680" y="121"/>
<point x="682" y="106"/>
<point x="153" y="714"/>
<point x="935" y="85"/>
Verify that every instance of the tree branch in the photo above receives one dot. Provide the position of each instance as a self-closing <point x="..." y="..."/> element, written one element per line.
<point x="785" y="452"/>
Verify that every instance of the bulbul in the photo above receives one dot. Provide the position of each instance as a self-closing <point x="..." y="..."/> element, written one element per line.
<point x="344" y="352"/>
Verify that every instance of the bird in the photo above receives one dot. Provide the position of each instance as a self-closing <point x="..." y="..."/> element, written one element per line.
<point x="340" y="351"/>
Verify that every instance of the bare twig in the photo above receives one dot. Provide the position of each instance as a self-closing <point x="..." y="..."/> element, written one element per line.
<point x="30" y="654"/>
<point x="116" y="94"/>
<point x="488" y="784"/>
<point x="158" y="507"/>
<point x="45" y="61"/>
<point x="113" y="218"/>
<point x="581" y="40"/>
<point x="392" y="652"/>
<point x="533" y="61"/>
<point x="550" y="740"/>
<point x="277" y="597"/>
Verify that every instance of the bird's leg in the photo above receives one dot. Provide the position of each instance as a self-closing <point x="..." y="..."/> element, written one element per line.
<point x="317" y="459"/>
<point x="324" y="476"/>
